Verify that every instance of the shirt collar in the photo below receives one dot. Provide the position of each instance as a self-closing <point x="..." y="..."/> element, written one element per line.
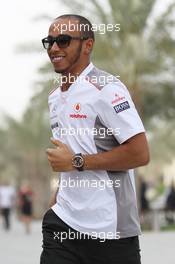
<point x="87" y="70"/>
<point x="81" y="76"/>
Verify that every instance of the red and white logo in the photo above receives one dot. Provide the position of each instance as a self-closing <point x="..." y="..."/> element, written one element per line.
<point x="77" y="107"/>
<point x="118" y="98"/>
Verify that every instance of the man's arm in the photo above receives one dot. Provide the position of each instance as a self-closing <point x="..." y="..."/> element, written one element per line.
<point x="53" y="198"/>
<point x="131" y="154"/>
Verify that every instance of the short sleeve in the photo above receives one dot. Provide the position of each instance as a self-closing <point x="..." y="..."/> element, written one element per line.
<point x="117" y="112"/>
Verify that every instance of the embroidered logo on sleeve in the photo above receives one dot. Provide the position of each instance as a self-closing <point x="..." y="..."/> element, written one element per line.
<point x="55" y="125"/>
<point x="118" y="98"/>
<point x="121" y="107"/>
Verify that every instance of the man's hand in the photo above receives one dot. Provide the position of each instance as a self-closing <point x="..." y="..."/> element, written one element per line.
<point x="60" y="158"/>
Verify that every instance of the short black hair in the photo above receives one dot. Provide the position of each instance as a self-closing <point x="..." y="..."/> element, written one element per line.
<point x="86" y="27"/>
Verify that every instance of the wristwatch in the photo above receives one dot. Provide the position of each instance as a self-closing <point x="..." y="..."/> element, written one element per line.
<point x="78" y="161"/>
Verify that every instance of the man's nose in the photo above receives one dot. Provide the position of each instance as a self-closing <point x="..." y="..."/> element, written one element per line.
<point x="55" y="46"/>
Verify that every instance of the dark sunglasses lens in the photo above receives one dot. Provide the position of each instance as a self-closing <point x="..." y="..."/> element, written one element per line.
<point x="47" y="42"/>
<point x="63" y="41"/>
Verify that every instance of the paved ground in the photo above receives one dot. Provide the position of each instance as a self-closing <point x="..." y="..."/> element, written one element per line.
<point x="16" y="247"/>
<point x="158" y="248"/>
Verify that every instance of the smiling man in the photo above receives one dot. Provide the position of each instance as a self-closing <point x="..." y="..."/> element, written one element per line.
<point x="99" y="139"/>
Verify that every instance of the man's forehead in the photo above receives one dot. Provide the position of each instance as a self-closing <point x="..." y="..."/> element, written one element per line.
<point x="64" y="25"/>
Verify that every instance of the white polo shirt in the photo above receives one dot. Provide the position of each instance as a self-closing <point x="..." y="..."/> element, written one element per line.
<point x="96" y="114"/>
<point x="7" y="195"/>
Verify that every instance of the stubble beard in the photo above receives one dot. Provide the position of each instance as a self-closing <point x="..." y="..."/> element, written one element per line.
<point x="73" y="62"/>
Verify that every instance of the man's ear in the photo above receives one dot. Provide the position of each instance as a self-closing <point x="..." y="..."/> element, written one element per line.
<point x="88" y="46"/>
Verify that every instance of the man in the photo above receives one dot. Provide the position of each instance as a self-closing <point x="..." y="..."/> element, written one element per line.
<point x="7" y="200"/>
<point x="99" y="139"/>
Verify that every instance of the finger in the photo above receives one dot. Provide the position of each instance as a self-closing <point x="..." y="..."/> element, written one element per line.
<point x="56" y="142"/>
<point x="49" y="151"/>
<point x="54" y="166"/>
<point x="50" y="158"/>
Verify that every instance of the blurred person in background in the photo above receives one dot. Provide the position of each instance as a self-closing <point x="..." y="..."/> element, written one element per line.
<point x="7" y="201"/>
<point x="144" y="203"/>
<point x="26" y="206"/>
<point x="170" y="205"/>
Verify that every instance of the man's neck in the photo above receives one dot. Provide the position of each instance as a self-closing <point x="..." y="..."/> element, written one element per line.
<point x="67" y="79"/>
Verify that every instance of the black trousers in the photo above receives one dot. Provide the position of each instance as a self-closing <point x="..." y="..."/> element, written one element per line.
<point x="61" y="248"/>
<point x="6" y="217"/>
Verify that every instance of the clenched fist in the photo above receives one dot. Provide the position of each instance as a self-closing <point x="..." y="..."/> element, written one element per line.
<point x="60" y="158"/>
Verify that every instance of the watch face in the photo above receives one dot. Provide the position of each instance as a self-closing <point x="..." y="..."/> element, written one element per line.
<point x="78" y="161"/>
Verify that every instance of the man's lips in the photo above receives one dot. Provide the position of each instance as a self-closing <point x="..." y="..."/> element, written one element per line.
<point x="57" y="58"/>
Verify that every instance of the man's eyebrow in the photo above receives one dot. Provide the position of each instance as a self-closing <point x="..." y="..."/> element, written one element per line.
<point x="56" y="36"/>
<point x="50" y="36"/>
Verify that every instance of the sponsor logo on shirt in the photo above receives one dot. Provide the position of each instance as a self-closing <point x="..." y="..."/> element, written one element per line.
<point x="54" y="108"/>
<point x="77" y="116"/>
<point x="77" y="107"/>
<point x="55" y="125"/>
<point x="117" y="99"/>
<point x="53" y="117"/>
<point x="121" y="107"/>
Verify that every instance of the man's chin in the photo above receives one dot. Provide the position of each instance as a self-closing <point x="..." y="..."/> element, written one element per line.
<point x="60" y="71"/>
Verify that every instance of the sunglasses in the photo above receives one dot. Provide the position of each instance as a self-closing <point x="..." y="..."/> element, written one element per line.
<point x="63" y="41"/>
